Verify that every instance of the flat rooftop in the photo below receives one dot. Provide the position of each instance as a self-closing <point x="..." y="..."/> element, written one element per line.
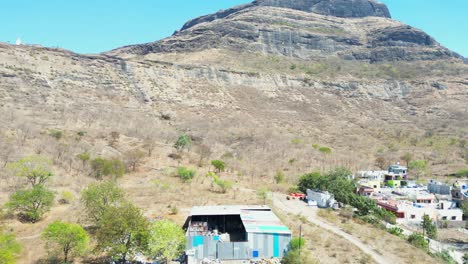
<point x="255" y="218"/>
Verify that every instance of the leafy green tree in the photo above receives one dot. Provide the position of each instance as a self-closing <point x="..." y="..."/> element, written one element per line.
<point x="9" y="248"/>
<point x="465" y="258"/>
<point x="419" y="166"/>
<point x="429" y="227"/>
<point x="103" y="167"/>
<point x="31" y="204"/>
<point x="184" y="141"/>
<point x="69" y="239"/>
<point x="98" y="197"/>
<point x="35" y="169"/>
<point x="166" y="241"/>
<point x="122" y="232"/>
<point x="219" y="165"/>
<point x="343" y="188"/>
<point x="186" y="174"/>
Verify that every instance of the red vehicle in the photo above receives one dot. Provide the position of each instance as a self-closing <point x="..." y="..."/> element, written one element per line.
<point x="294" y="196"/>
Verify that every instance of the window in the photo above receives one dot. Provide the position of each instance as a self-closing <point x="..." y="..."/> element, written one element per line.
<point x="413" y="216"/>
<point x="444" y="218"/>
<point x="454" y="218"/>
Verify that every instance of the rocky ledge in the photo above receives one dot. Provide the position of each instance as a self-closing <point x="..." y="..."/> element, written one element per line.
<point x="337" y="8"/>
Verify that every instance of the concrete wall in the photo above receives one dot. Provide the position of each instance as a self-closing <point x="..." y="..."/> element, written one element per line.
<point x="439" y="188"/>
<point x="269" y="245"/>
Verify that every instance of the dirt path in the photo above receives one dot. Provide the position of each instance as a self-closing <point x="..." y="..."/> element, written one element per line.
<point x="296" y="207"/>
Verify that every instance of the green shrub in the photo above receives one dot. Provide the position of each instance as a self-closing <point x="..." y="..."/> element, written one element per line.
<point x="296" y="141"/>
<point x="325" y="150"/>
<point x="297" y="257"/>
<point x="463" y="173"/>
<point x="184" y="141"/>
<point x="296" y="243"/>
<point x="57" y="134"/>
<point x="373" y="220"/>
<point x="186" y="174"/>
<point x="66" y="197"/>
<point x="9" y="248"/>
<point x="418" y="240"/>
<point x="219" y="165"/>
<point x="103" y="167"/>
<point x="224" y="185"/>
<point x="279" y="177"/>
<point x="395" y="231"/>
<point x="174" y="210"/>
<point x="293" y="189"/>
<point x="445" y="257"/>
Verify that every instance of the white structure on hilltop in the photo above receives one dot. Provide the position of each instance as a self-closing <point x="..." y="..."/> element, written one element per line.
<point x="18" y="41"/>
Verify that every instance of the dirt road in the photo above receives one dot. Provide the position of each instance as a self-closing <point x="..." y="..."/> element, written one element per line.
<point x="296" y="207"/>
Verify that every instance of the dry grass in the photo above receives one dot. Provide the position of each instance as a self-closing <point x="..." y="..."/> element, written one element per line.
<point x="391" y="247"/>
<point x="323" y="246"/>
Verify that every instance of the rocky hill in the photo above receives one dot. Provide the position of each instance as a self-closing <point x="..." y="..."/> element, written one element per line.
<point x="350" y="30"/>
<point x="338" y="73"/>
<point x="274" y="85"/>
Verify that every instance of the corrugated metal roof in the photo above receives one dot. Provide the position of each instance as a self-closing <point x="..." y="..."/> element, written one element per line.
<point x="256" y="219"/>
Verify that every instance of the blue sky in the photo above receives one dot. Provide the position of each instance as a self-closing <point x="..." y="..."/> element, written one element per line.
<point x="92" y="26"/>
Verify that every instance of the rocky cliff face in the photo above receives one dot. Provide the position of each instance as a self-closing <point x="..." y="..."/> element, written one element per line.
<point x="338" y="8"/>
<point x="306" y="29"/>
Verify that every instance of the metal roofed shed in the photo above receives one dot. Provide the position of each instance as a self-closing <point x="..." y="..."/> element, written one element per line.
<point x="235" y="233"/>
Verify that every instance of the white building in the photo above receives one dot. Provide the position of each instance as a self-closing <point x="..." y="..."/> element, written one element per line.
<point x="323" y="199"/>
<point x="414" y="212"/>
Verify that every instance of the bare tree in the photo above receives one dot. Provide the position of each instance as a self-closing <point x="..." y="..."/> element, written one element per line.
<point x="6" y="152"/>
<point x="149" y="145"/>
<point x="114" y="138"/>
<point x="133" y="158"/>
<point x="204" y="151"/>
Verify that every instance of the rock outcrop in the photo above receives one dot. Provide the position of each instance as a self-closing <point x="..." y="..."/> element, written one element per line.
<point x="304" y="29"/>
<point x="338" y="8"/>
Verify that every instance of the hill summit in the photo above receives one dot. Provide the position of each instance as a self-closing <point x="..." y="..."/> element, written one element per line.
<point x="305" y="29"/>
